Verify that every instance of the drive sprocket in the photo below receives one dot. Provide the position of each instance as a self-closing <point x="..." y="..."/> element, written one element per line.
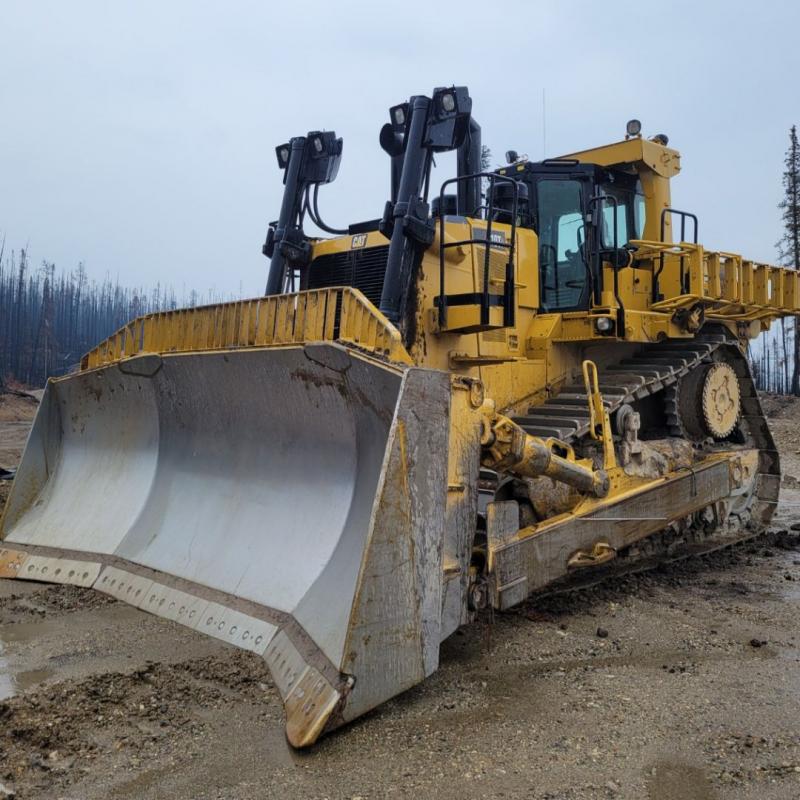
<point x="721" y="400"/>
<point x="706" y="402"/>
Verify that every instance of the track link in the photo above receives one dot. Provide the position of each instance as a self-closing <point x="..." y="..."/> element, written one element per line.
<point x="653" y="369"/>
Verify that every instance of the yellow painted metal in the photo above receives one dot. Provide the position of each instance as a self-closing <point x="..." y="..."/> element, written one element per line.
<point x="465" y="275"/>
<point x="635" y="151"/>
<point x="726" y="285"/>
<point x="625" y="487"/>
<point x="599" y="422"/>
<point x="467" y="319"/>
<point x="320" y="315"/>
<point x="507" y="448"/>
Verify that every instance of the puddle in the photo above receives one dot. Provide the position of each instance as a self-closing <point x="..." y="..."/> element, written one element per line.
<point x="8" y="685"/>
<point x="21" y="632"/>
<point x="677" y="780"/>
<point x="791" y="589"/>
<point x="14" y="680"/>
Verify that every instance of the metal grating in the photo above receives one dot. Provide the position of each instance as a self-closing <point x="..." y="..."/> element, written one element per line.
<point x="361" y="269"/>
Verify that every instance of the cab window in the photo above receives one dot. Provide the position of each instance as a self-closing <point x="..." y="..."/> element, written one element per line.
<point x="622" y="214"/>
<point x="630" y="213"/>
<point x="639" y="211"/>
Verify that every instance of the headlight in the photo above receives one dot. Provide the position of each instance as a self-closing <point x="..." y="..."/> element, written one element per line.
<point x="604" y="324"/>
<point x="448" y="102"/>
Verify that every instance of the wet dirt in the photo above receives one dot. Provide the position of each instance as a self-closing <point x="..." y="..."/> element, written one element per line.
<point x="16" y="413"/>
<point x="693" y="693"/>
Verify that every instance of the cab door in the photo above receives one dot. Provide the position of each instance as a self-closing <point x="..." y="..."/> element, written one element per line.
<point x="565" y="240"/>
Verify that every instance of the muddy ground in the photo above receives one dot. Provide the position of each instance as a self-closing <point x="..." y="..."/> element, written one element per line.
<point x="682" y="684"/>
<point x="16" y="413"/>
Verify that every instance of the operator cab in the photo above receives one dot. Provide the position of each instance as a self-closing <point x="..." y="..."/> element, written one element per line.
<point x="573" y="207"/>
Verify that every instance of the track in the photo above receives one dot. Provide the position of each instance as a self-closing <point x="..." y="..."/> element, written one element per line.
<point x="656" y="368"/>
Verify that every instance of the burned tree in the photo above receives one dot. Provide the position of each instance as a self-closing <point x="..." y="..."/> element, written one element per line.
<point x="789" y="244"/>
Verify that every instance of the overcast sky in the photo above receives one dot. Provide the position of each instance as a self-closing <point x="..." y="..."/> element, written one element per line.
<point x="139" y="137"/>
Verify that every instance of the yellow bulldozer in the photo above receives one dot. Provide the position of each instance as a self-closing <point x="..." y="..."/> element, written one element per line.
<point x="536" y="378"/>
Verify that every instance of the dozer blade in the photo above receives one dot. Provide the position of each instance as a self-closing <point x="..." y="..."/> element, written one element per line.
<point x="287" y="500"/>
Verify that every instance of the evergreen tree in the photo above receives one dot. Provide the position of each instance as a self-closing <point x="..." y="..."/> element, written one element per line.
<point x="49" y="318"/>
<point x="789" y="244"/>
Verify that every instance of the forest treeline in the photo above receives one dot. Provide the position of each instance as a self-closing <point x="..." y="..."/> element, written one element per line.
<point x="49" y="318"/>
<point x="771" y="359"/>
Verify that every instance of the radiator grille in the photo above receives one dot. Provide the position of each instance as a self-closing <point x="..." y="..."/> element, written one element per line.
<point x="497" y="267"/>
<point x="362" y="269"/>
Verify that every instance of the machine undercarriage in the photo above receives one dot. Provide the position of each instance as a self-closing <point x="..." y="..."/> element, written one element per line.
<point x="726" y="418"/>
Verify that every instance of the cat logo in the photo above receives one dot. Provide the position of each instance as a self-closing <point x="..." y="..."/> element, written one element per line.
<point x="359" y="240"/>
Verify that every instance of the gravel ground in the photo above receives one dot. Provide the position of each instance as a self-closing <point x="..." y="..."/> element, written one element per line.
<point x="679" y="684"/>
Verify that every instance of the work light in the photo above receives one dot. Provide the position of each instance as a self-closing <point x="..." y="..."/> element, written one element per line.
<point x="282" y="151"/>
<point x="322" y="154"/>
<point x="445" y="102"/>
<point x="634" y="127"/>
